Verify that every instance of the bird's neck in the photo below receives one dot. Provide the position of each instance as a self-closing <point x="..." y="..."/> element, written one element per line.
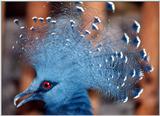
<point x="79" y="104"/>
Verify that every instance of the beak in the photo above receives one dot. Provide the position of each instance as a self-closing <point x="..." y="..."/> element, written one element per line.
<point x="31" y="95"/>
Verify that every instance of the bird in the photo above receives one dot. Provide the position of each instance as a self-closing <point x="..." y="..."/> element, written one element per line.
<point x="67" y="64"/>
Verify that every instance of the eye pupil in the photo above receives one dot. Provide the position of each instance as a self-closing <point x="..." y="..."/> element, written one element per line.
<point x="46" y="85"/>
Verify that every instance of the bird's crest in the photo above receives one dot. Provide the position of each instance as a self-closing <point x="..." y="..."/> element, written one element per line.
<point x="67" y="51"/>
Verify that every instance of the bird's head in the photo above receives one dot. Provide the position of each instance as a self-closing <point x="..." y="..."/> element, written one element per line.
<point x="51" y="91"/>
<point x="62" y="66"/>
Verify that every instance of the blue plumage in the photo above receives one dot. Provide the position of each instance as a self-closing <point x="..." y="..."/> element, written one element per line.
<point x="67" y="64"/>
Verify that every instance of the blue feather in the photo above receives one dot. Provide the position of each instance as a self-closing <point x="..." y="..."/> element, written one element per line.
<point x="66" y="57"/>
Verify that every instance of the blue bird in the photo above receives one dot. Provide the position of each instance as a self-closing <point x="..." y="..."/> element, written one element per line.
<point x="67" y="64"/>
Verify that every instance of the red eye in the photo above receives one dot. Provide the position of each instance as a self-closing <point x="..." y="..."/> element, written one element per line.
<point x="46" y="85"/>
